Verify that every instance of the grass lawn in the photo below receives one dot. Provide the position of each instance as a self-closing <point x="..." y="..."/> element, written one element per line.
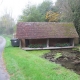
<point x="28" y="65"/>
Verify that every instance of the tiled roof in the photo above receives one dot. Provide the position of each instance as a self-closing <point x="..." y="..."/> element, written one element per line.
<point x="38" y="30"/>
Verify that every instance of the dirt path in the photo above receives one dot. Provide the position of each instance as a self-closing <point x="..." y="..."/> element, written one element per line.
<point x="3" y="73"/>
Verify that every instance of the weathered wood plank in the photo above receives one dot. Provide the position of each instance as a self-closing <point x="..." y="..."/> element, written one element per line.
<point x="26" y="48"/>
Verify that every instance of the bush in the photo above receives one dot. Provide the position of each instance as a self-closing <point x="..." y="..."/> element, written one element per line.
<point x="37" y="45"/>
<point x="62" y="44"/>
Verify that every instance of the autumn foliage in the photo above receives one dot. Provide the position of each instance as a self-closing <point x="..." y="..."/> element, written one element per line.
<point x="52" y="16"/>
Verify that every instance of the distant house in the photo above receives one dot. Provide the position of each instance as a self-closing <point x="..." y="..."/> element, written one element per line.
<point x="46" y="35"/>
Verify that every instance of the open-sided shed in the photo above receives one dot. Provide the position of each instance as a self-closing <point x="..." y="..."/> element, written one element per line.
<point x="46" y="35"/>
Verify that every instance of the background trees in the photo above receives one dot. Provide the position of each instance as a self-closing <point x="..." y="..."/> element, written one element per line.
<point x="37" y="13"/>
<point x="6" y="24"/>
<point x="31" y="14"/>
<point x="44" y="7"/>
<point x="65" y="10"/>
<point x="75" y="7"/>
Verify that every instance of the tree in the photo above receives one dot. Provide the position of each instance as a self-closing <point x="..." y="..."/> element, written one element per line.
<point x="44" y="7"/>
<point x="31" y="14"/>
<point x="75" y="7"/>
<point x="6" y="24"/>
<point x="52" y="16"/>
<point x="64" y="10"/>
<point x="36" y="13"/>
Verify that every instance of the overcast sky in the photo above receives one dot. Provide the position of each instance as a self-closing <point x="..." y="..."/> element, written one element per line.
<point x="15" y="7"/>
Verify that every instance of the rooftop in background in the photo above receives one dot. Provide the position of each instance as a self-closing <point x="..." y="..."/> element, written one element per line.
<point x="38" y="30"/>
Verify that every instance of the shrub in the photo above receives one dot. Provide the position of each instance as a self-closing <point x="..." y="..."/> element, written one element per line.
<point x="62" y="44"/>
<point x="37" y="45"/>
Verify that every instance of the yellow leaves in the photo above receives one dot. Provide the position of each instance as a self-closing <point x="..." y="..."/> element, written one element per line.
<point x="52" y="16"/>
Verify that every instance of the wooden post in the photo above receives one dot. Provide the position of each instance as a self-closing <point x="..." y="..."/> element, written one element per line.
<point x="73" y="42"/>
<point x="47" y="42"/>
<point x="20" y="44"/>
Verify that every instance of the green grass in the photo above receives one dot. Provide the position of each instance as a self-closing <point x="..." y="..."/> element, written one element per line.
<point x="28" y="65"/>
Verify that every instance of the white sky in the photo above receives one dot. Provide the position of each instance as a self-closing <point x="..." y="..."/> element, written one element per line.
<point x="15" y="7"/>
